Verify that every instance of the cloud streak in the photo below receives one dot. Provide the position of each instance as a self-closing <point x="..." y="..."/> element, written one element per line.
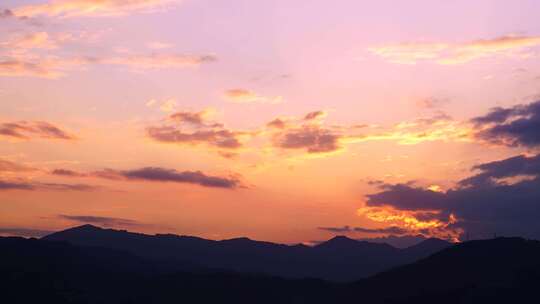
<point x="394" y="230"/>
<point x="157" y="174"/>
<point x="9" y="166"/>
<point x="30" y="129"/>
<point x="55" y="67"/>
<point x="453" y="54"/>
<point x="240" y="95"/>
<point x="90" y="8"/>
<point x="101" y="220"/>
<point x="6" y="185"/>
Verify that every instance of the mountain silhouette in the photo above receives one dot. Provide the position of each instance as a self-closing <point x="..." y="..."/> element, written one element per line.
<point x="503" y="270"/>
<point x="338" y="259"/>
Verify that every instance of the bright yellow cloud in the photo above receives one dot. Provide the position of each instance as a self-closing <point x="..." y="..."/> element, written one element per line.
<point x="247" y="96"/>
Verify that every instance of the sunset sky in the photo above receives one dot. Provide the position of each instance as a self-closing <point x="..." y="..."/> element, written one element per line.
<point x="286" y="121"/>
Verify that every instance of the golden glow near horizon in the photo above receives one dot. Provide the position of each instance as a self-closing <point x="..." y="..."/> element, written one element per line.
<point x="251" y="118"/>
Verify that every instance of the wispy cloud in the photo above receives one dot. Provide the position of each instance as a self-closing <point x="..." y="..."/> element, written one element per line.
<point x="101" y="220"/>
<point x="37" y="40"/>
<point x="55" y="67"/>
<point x="394" y="230"/>
<point x="91" y="8"/>
<point x="239" y="95"/>
<point x="167" y="105"/>
<point x="29" y="129"/>
<point x="6" y="185"/>
<point x="454" y="53"/>
<point x="10" y="166"/>
<point x="50" y="68"/>
<point x="159" y="61"/>
<point x="313" y="135"/>
<point x="157" y="174"/>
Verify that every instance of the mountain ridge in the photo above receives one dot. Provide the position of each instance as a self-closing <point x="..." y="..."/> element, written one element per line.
<point x="338" y="259"/>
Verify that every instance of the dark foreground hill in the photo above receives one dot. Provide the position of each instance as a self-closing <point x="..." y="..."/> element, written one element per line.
<point x="504" y="270"/>
<point x="338" y="259"/>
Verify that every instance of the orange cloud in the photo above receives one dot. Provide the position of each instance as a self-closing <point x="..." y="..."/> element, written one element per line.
<point x="438" y="128"/>
<point x="39" y="40"/>
<point x="159" y="61"/>
<point x="430" y="224"/>
<point x="246" y="96"/>
<point x="54" y="67"/>
<point x="452" y="54"/>
<point x="51" y="68"/>
<point x="90" y="8"/>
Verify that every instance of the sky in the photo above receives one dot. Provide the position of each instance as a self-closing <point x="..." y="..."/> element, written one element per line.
<point x="285" y="121"/>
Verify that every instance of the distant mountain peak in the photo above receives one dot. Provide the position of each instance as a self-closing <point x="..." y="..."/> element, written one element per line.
<point x="339" y="241"/>
<point x="87" y="227"/>
<point x="342" y="238"/>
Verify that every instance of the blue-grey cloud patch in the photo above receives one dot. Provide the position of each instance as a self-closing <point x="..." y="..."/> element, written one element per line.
<point x="171" y="175"/>
<point x="514" y="126"/>
<point x="158" y="174"/>
<point x="23" y="185"/>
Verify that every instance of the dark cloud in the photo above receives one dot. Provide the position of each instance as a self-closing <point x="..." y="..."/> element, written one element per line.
<point x="156" y="174"/>
<point x="218" y="138"/>
<point x="314" y="139"/>
<point x="515" y="126"/>
<point x="406" y="197"/>
<point x="346" y="229"/>
<point x="314" y="115"/>
<point x="277" y="123"/>
<point x="66" y="187"/>
<point x="503" y="198"/>
<point x="65" y="172"/>
<point x="343" y="229"/>
<point x="195" y="118"/>
<point x="171" y="175"/>
<point x="491" y="173"/>
<point x="191" y="128"/>
<point x="100" y="220"/>
<point x="7" y="185"/>
<point x="23" y="232"/>
<point x="390" y="230"/>
<point x="28" y="129"/>
<point x="31" y="186"/>
<point x="6" y="13"/>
